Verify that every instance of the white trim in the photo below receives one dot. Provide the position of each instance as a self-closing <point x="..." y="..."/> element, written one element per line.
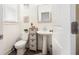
<point x="73" y="36"/>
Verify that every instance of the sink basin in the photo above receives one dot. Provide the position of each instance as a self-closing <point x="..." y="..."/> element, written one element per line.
<point x="44" y="32"/>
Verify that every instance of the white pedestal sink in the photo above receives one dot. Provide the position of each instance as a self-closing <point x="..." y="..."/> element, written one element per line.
<point x="45" y="35"/>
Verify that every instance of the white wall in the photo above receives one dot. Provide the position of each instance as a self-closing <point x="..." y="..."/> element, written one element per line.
<point x="11" y="33"/>
<point x="1" y="24"/>
<point x="45" y="8"/>
<point x="10" y="12"/>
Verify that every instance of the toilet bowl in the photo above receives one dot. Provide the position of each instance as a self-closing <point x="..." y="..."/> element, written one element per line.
<point x="20" y="46"/>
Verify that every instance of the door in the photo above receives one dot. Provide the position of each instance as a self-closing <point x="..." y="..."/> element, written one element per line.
<point x="77" y="35"/>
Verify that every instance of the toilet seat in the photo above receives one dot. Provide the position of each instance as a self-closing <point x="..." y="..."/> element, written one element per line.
<point x="20" y="44"/>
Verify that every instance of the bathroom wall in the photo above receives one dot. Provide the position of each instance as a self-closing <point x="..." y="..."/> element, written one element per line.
<point x="44" y="8"/>
<point x="1" y="24"/>
<point x="11" y="34"/>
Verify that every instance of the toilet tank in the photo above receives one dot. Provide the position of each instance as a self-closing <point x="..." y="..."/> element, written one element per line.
<point x="25" y="36"/>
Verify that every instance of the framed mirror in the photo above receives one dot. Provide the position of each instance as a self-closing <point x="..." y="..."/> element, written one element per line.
<point x="45" y="17"/>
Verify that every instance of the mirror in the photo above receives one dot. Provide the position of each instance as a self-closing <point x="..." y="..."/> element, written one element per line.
<point x="45" y="17"/>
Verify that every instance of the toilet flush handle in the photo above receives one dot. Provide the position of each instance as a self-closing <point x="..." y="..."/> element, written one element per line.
<point x="26" y="30"/>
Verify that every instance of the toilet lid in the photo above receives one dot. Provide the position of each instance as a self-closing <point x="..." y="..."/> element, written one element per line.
<point x="19" y="43"/>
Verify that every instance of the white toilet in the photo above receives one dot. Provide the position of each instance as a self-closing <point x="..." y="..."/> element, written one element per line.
<point x="20" y="46"/>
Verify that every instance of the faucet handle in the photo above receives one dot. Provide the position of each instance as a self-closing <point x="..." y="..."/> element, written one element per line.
<point x="51" y="30"/>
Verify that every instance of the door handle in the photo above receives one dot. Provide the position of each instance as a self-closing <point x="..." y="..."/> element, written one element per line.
<point x="1" y="36"/>
<point x="74" y="27"/>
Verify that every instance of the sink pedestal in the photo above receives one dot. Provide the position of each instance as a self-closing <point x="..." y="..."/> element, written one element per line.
<point x="44" y="49"/>
<point x="45" y="35"/>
